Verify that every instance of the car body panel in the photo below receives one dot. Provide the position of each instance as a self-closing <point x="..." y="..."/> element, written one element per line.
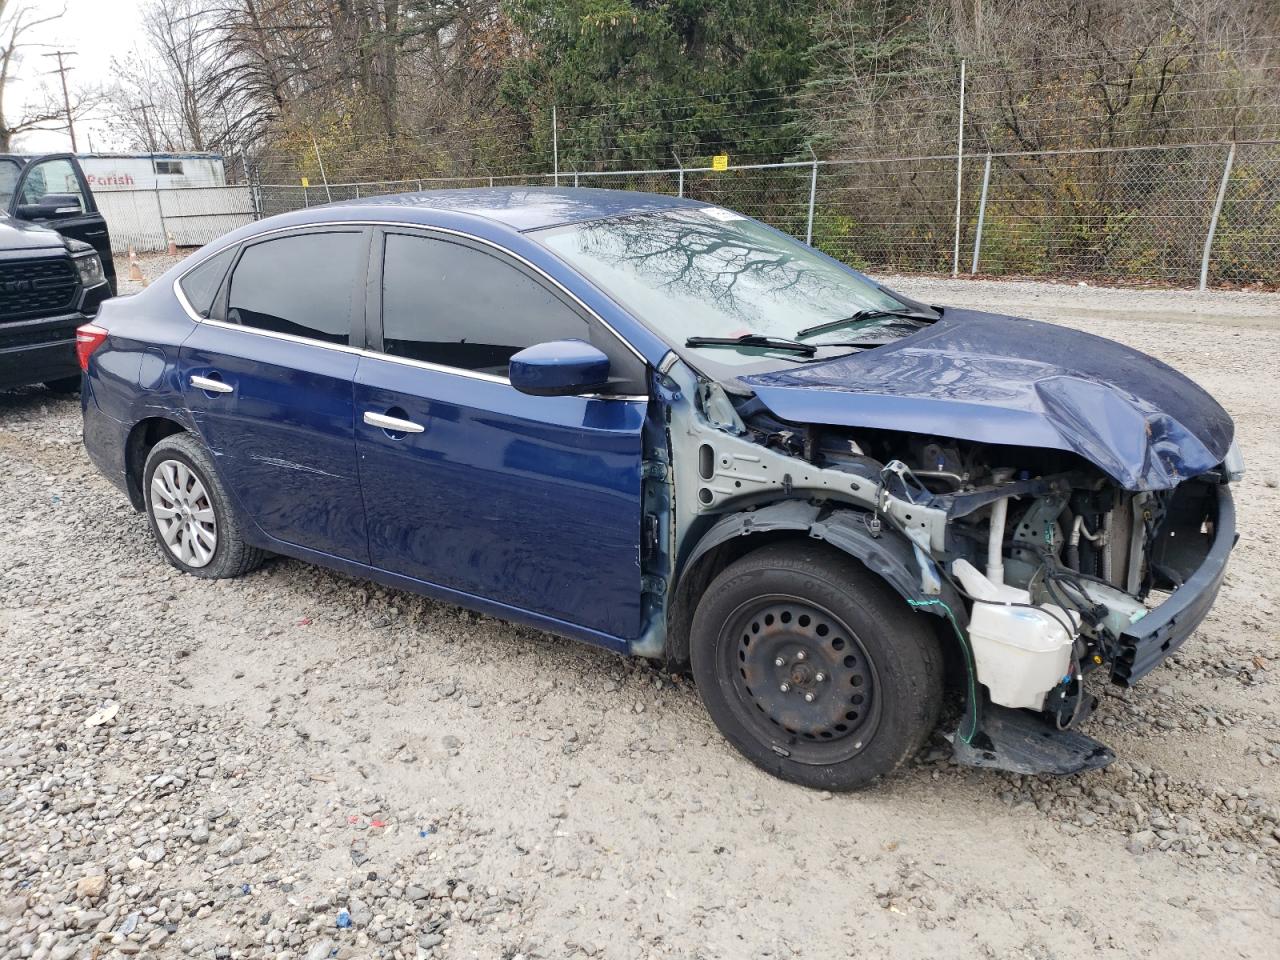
<point x="1007" y="380"/>
<point x="284" y="435"/>
<point x="473" y="501"/>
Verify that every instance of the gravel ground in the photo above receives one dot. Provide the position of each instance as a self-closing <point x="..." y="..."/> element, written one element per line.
<point x="299" y="764"/>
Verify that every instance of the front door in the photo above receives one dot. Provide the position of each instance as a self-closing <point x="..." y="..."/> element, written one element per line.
<point x="59" y="176"/>
<point x="533" y="502"/>
<point x="268" y="380"/>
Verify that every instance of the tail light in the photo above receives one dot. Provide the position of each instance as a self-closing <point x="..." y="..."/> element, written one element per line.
<point x="88" y="339"/>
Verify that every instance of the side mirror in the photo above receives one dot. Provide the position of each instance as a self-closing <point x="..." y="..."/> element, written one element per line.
<point x="559" y="368"/>
<point x="52" y="206"/>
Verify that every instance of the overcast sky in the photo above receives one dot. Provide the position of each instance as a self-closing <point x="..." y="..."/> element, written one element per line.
<point x="96" y="31"/>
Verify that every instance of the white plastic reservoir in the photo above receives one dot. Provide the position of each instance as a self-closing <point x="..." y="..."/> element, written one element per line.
<point x="1021" y="653"/>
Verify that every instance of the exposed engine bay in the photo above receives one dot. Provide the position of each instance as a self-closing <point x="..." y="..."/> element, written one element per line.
<point x="1044" y="565"/>
<point x="1056" y="559"/>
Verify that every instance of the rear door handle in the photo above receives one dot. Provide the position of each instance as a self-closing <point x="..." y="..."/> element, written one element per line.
<point x="394" y="424"/>
<point x="211" y="385"/>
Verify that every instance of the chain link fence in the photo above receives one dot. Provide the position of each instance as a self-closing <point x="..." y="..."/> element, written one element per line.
<point x="1172" y="215"/>
<point x="189" y="216"/>
<point x="1132" y="214"/>
<point x="1246" y="245"/>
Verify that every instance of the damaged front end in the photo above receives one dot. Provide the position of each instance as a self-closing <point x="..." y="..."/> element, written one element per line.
<point x="1048" y="570"/>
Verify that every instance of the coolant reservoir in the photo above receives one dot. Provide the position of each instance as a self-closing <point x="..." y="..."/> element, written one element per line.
<point x="1022" y="652"/>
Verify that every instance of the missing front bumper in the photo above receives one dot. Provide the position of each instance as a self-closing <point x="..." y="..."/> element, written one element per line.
<point x="1149" y="642"/>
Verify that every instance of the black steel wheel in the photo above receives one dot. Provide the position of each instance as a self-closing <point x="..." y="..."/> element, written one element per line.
<point x="801" y="671"/>
<point x="813" y="667"/>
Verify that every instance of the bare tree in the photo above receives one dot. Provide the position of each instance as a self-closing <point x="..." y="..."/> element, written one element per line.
<point x="165" y="95"/>
<point x="47" y="111"/>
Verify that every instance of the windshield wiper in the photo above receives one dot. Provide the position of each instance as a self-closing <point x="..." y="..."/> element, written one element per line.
<point x="753" y="340"/>
<point x="861" y="315"/>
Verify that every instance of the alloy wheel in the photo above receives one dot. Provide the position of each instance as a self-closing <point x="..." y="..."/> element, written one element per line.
<point x="183" y="513"/>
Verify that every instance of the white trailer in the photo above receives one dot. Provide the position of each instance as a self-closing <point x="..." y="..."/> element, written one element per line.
<point x="152" y="171"/>
<point x="149" y="199"/>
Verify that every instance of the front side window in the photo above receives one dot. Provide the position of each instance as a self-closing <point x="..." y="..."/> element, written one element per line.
<point x="52" y="177"/>
<point x="453" y="305"/>
<point x="302" y="285"/>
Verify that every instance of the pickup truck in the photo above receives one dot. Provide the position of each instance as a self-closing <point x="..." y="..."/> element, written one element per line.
<point x="55" y="268"/>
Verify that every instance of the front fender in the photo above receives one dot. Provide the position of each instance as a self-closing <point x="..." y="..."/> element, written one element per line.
<point x="886" y="553"/>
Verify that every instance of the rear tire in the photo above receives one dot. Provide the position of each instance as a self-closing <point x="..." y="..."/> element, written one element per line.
<point x="190" y="514"/>
<point x="813" y="668"/>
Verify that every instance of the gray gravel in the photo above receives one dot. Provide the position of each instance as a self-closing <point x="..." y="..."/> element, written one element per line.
<point x="304" y="765"/>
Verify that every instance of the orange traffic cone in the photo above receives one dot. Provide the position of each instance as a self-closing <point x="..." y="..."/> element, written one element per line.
<point x="135" y="268"/>
<point x="173" y="247"/>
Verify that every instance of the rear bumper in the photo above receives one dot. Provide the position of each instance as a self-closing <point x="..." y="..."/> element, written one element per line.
<point x="1147" y="643"/>
<point x="32" y="351"/>
<point x="105" y="438"/>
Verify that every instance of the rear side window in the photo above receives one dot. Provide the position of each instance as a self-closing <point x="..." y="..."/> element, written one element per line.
<point x="200" y="286"/>
<point x="301" y="285"/>
<point x="456" y="306"/>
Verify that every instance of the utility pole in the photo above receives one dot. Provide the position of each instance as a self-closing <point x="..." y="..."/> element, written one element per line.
<point x="66" y="97"/>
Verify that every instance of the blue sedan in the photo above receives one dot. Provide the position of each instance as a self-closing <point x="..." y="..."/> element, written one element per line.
<point x="662" y="427"/>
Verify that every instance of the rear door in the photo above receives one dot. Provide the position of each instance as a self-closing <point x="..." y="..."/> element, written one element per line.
<point x="268" y="379"/>
<point x="62" y="176"/>
<point x="533" y="502"/>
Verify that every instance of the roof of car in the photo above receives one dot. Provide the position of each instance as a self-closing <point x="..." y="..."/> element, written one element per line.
<point x="529" y="208"/>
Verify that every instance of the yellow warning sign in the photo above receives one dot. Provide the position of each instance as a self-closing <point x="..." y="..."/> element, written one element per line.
<point x="720" y="161"/>
<point x="305" y="183"/>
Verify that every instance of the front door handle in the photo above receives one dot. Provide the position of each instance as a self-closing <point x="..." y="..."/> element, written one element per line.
<point x="210" y="385"/>
<point x="393" y="424"/>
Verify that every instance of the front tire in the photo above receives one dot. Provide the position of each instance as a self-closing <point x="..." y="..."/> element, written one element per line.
<point x="190" y="514"/>
<point x="813" y="668"/>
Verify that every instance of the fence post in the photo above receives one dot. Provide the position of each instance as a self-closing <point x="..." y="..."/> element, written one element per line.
<point x="982" y="213"/>
<point x="327" y="195"/>
<point x="251" y="179"/>
<point x="813" y="194"/>
<point x="555" y="146"/>
<point x="164" y="229"/>
<point x="680" y="175"/>
<point x="1213" y="220"/>
<point x="357" y="186"/>
<point x="955" y="253"/>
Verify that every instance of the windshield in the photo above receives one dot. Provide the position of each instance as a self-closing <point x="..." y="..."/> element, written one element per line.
<point x="9" y="171"/>
<point x="709" y="272"/>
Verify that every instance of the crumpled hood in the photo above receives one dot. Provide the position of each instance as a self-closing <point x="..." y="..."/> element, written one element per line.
<point x="1006" y="380"/>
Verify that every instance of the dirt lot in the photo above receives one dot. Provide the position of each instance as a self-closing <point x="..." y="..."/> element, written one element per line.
<point x="297" y="750"/>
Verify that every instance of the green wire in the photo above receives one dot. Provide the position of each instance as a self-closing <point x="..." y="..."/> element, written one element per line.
<point x="964" y="645"/>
